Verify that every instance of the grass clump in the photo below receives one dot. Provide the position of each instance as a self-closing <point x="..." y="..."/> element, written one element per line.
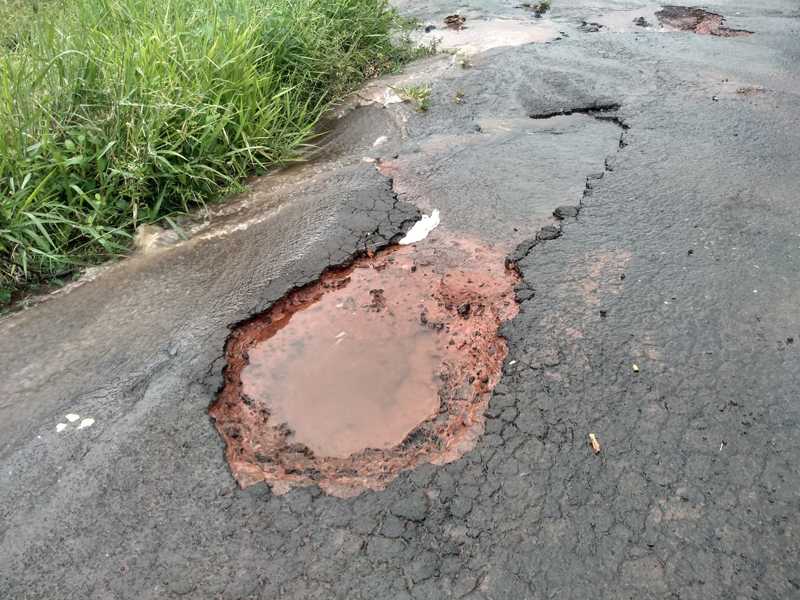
<point x="419" y="95"/>
<point x="119" y="112"/>
<point x="538" y="8"/>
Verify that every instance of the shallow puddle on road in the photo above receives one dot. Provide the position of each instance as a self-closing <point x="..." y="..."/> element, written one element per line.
<point x="478" y="35"/>
<point x="626" y="21"/>
<point x="372" y="370"/>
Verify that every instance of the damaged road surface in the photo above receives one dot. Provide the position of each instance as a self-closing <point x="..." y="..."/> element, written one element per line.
<point x="375" y="369"/>
<point x="618" y="254"/>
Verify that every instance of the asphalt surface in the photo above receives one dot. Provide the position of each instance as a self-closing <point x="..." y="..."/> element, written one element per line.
<point x="684" y="260"/>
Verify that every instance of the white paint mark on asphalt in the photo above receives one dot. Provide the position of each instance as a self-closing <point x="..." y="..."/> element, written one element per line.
<point x="421" y="228"/>
<point x="88" y="422"/>
<point x="72" y="417"/>
<point x="61" y="427"/>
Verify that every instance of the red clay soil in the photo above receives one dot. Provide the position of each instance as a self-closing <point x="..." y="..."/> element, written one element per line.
<point x="373" y="369"/>
<point x="697" y="20"/>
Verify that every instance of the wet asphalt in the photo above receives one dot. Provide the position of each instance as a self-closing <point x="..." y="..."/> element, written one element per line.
<point x="681" y="153"/>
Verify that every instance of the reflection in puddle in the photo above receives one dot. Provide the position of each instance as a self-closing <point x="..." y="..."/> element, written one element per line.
<point x="372" y="370"/>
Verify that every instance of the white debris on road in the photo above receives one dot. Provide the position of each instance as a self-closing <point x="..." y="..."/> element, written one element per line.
<point x="390" y="97"/>
<point x="421" y="228"/>
<point x="86" y="423"/>
<point x="72" y="417"/>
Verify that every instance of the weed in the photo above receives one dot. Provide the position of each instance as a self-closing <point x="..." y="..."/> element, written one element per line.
<point x="419" y="95"/>
<point x="462" y="60"/>
<point x="538" y="8"/>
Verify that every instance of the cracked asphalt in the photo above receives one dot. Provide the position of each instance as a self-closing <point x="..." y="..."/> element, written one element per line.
<point x="682" y="258"/>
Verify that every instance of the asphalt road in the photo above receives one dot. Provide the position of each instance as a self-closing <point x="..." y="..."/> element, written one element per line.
<point x="684" y="260"/>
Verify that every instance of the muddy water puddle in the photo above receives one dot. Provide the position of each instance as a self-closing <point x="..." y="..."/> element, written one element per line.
<point x="353" y="368"/>
<point x="479" y="35"/>
<point x="373" y="369"/>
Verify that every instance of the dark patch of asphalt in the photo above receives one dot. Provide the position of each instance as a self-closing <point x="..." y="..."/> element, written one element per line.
<point x="683" y="260"/>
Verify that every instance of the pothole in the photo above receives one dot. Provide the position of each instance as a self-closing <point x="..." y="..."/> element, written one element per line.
<point x="655" y="18"/>
<point x="697" y="20"/>
<point x="374" y="369"/>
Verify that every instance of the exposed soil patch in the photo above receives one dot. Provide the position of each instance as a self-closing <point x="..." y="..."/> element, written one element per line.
<point x="373" y="369"/>
<point x="697" y="20"/>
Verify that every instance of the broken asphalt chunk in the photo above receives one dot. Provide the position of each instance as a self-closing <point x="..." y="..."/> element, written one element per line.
<point x="565" y="212"/>
<point x="548" y="232"/>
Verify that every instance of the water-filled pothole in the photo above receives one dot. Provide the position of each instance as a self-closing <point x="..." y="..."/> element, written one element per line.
<point x="373" y="369"/>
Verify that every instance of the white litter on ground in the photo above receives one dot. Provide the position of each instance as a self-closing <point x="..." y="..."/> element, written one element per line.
<point x="72" y="417"/>
<point x="61" y="427"/>
<point x="390" y="97"/>
<point x="421" y="228"/>
<point x="379" y="141"/>
<point x="86" y="423"/>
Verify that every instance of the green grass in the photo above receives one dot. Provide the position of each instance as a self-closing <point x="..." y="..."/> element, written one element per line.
<point x="115" y="113"/>
<point x="539" y="8"/>
<point x="419" y="95"/>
